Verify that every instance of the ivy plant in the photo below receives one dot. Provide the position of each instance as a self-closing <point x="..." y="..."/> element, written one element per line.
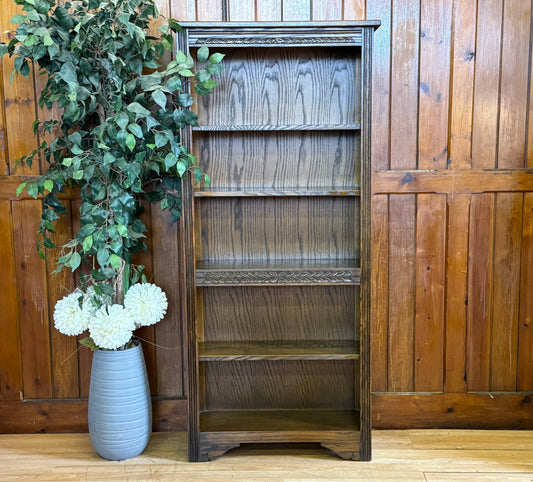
<point x="117" y="138"/>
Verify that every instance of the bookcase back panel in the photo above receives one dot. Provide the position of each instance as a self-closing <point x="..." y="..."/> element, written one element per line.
<point x="281" y="385"/>
<point x="280" y="228"/>
<point x="282" y="159"/>
<point x="285" y="86"/>
<point x="280" y="313"/>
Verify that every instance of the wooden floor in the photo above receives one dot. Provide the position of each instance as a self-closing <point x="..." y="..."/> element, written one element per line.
<point x="426" y="455"/>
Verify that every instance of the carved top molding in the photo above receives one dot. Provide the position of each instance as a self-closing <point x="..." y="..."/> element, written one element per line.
<point x="278" y="40"/>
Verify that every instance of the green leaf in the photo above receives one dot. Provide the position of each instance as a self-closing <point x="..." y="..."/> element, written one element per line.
<point x="75" y="261"/>
<point x="159" y="98"/>
<point x="115" y="261"/>
<point x="87" y="243"/>
<point x="123" y="120"/>
<point x="136" y="130"/>
<point x="202" y="75"/>
<point x="89" y="343"/>
<point x="48" y="185"/>
<point x="173" y="83"/>
<point x="138" y="109"/>
<point x="130" y="142"/>
<point x="47" y="40"/>
<point x="181" y="58"/>
<point x="77" y="175"/>
<point x="32" y="190"/>
<point x="181" y="168"/>
<point x="170" y="160"/>
<point x="203" y="54"/>
<point x="186" y="73"/>
<point x="76" y="150"/>
<point x="67" y="161"/>
<point x="20" y="188"/>
<point x="207" y="180"/>
<point x="216" y="58"/>
<point x="102" y="256"/>
<point x="122" y="230"/>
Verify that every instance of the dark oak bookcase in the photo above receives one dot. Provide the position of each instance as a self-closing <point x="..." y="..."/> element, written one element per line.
<point x="275" y="275"/>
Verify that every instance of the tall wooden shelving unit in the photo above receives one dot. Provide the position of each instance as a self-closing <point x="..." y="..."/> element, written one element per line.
<point x="276" y="251"/>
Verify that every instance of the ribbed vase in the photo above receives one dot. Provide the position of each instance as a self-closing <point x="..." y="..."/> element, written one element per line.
<point x="120" y="407"/>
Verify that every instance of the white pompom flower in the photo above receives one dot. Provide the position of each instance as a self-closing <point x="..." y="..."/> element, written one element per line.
<point x="147" y="304"/>
<point x="69" y="317"/>
<point x="111" y="327"/>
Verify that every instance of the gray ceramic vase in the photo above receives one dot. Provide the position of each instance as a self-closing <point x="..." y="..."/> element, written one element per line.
<point x="120" y="406"/>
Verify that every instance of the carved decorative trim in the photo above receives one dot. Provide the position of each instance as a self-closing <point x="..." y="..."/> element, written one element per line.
<point x="282" y="277"/>
<point x="264" y="40"/>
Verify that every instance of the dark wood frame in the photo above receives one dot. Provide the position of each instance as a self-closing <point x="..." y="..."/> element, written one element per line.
<point x="205" y="446"/>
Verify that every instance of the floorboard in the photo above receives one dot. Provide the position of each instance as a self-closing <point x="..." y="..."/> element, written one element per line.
<point x="414" y="455"/>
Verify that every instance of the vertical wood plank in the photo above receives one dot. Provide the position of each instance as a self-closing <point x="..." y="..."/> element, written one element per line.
<point x="10" y="355"/>
<point x="463" y="62"/>
<point x="486" y="87"/>
<point x="379" y="297"/>
<point x="168" y="332"/>
<point x="525" y="330"/>
<point x="183" y="10"/>
<point x="456" y="293"/>
<point x="404" y="83"/>
<point x="4" y="170"/>
<point x="210" y="10"/>
<point x="65" y="382"/>
<point x="430" y="280"/>
<point x="480" y="279"/>
<point x="381" y="82"/>
<point x="296" y="10"/>
<point x="355" y="10"/>
<point x="401" y="292"/>
<point x="268" y="10"/>
<point x="33" y="306"/>
<point x="19" y="105"/>
<point x="504" y="333"/>
<point x="514" y="84"/>
<point x="435" y="31"/>
<point x="241" y="10"/>
<point x="331" y="10"/>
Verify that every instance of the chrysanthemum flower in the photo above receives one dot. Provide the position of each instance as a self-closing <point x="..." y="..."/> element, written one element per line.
<point x="69" y="318"/>
<point x="111" y="327"/>
<point x="146" y="303"/>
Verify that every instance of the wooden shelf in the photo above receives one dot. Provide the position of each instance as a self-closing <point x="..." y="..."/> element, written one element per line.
<point x="279" y="350"/>
<point x="281" y="421"/>
<point x="278" y="272"/>
<point x="277" y="128"/>
<point x="260" y="192"/>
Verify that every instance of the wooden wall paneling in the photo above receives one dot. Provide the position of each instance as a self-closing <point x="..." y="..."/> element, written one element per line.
<point x="330" y="10"/>
<point x="506" y="289"/>
<point x="183" y="10"/>
<point x="241" y="10"/>
<point x="433" y="104"/>
<point x="65" y="383"/>
<point x="355" y="10"/>
<point x="268" y="10"/>
<point x="529" y="132"/>
<point x="168" y="332"/>
<point x="525" y="329"/>
<point x="486" y="85"/>
<point x="480" y="280"/>
<point x="211" y="10"/>
<point x="461" y="82"/>
<point x="296" y="10"/>
<point x="429" y="295"/>
<point x="514" y="84"/>
<point x="380" y="296"/>
<point x="4" y="170"/>
<point x="404" y="83"/>
<point x="33" y="306"/>
<point x="401" y="293"/>
<point x="10" y="356"/>
<point x="85" y="356"/>
<point x="456" y="291"/>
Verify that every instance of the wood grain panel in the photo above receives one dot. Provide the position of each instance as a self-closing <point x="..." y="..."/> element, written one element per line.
<point x="401" y="293"/>
<point x="268" y="10"/>
<point x="405" y="31"/>
<point x="10" y="356"/>
<point x="280" y="160"/>
<point x="280" y="384"/>
<point x="514" y="84"/>
<point x="504" y="332"/>
<point x="435" y="30"/>
<point x="381" y="84"/>
<point x="486" y="85"/>
<point x="380" y="296"/>
<point x="65" y="382"/>
<point x="33" y="306"/>
<point x="331" y="10"/>
<point x="278" y="86"/>
<point x="463" y="62"/>
<point x="456" y="293"/>
<point x="355" y="10"/>
<point x="279" y="313"/>
<point x="183" y="10"/>
<point x="279" y="228"/>
<point x="525" y="329"/>
<point x="211" y="10"/>
<point x="297" y="10"/>
<point x="480" y="281"/>
<point x="241" y="10"/>
<point x="168" y="332"/>
<point x="430" y="280"/>
<point x="4" y="168"/>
